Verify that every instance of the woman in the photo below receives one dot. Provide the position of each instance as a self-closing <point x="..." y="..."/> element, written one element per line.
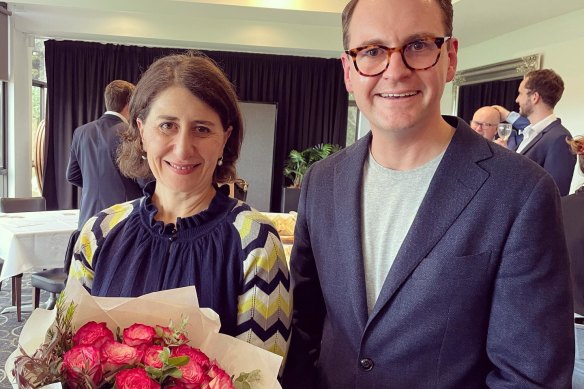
<point x="573" y="213"/>
<point x="186" y="132"/>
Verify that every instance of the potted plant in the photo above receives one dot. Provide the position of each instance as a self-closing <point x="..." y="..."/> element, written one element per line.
<point x="296" y="166"/>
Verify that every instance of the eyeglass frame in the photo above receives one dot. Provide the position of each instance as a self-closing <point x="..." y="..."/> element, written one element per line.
<point x="438" y="41"/>
<point x="483" y="125"/>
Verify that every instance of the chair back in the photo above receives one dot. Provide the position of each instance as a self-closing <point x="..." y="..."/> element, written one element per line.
<point x="22" y="204"/>
<point x="69" y="253"/>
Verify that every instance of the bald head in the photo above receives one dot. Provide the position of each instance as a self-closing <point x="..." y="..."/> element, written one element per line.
<point x="485" y="121"/>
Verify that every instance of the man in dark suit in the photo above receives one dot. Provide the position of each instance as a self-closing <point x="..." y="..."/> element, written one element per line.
<point x="92" y="161"/>
<point x="406" y="273"/>
<point x="541" y="135"/>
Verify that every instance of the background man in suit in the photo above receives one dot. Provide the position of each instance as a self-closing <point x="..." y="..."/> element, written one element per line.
<point x="544" y="140"/>
<point x="92" y="162"/>
<point x="396" y="284"/>
<point x="485" y="121"/>
<point x="573" y="212"/>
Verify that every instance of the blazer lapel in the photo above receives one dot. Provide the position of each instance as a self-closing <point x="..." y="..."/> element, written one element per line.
<point x="538" y="137"/>
<point x="454" y="184"/>
<point x="347" y="202"/>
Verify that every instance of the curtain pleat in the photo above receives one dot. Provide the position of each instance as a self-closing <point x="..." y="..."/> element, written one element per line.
<point x="474" y="96"/>
<point x="309" y="92"/>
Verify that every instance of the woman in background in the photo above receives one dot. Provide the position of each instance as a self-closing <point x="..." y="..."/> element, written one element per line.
<point x="573" y="212"/>
<point x="186" y="132"/>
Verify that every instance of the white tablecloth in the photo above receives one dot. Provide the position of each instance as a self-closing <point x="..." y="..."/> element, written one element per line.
<point x="32" y="241"/>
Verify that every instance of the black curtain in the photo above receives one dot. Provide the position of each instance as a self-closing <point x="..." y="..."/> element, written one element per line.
<point x="309" y="92"/>
<point x="472" y="97"/>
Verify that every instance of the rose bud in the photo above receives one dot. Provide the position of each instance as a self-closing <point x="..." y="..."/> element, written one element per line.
<point x="194" y="354"/>
<point x="93" y="334"/>
<point x="115" y="355"/>
<point x="193" y="375"/>
<point x="81" y="362"/>
<point x="152" y="356"/>
<point x="135" y="378"/>
<point x="139" y="334"/>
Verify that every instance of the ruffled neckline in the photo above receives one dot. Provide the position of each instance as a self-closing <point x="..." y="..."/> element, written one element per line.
<point x="203" y="221"/>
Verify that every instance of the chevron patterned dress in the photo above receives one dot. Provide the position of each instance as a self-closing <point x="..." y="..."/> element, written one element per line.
<point x="230" y="252"/>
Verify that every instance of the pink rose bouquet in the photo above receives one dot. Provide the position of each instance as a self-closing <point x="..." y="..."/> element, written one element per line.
<point x="115" y="342"/>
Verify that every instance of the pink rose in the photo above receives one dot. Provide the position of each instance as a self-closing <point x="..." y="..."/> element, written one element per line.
<point x="115" y="355"/>
<point x="138" y="335"/>
<point x="80" y="363"/>
<point x="135" y="378"/>
<point x="220" y="379"/>
<point x="152" y="356"/>
<point x="194" y="354"/>
<point x="93" y="334"/>
<point x="193" y="375"/>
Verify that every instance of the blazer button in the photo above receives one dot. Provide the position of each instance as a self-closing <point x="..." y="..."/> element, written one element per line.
<point x="366" y="364"/>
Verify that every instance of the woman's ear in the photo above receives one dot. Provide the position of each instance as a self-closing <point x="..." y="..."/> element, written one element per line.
<point x="226" y="135"/>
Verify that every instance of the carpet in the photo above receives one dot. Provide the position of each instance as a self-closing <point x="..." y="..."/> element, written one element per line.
<point x="9" y="327"/>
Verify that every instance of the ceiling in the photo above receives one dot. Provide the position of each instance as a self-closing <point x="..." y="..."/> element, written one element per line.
<point x="297" y="27"/>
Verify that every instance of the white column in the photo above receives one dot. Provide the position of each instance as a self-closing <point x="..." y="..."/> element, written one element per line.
<point x="19" y="115"/>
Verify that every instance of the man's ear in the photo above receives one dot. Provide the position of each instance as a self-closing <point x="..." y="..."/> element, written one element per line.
<point x="452" y="47"/>
<point x="347" y="63"/>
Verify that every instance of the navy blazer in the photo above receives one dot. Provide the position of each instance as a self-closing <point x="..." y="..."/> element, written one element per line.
<point x="92" y="167"/>
<point x="479" y="294"/>
<point x="573" y="211"/>
<point x="550" y="151"/>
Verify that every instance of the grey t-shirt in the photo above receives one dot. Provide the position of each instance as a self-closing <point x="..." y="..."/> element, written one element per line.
<point x="390" y="201"/>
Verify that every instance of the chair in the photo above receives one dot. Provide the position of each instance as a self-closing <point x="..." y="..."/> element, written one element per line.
<point x="53" y="280"/>
<point x="20" y="204"/>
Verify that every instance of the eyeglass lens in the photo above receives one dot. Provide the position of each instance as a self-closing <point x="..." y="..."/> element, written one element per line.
<point x="418" y="55"/>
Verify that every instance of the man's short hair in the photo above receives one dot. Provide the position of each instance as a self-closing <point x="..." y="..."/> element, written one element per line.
<point x="445" y="6"/>
<point x="547" y="83"/>
<point x="117" y="95"/>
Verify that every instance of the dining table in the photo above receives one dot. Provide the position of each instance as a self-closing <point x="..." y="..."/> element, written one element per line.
<point x="33" y="241"/>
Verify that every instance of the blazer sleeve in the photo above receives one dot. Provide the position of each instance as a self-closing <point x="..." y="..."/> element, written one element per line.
<point x="309" y="308"/>
<point x="73" y="169"/>
<point x="520" y="122"/>
<point x="560" y="162"/>
<point x="533" y="286"/>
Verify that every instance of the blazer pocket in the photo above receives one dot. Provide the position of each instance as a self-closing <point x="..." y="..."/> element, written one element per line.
<point x="453" y="268"/>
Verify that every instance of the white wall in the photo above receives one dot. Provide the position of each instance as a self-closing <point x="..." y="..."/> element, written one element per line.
<point x="561" y="42"/>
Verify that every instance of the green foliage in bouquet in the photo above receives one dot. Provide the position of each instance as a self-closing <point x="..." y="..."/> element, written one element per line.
<point x="64" y="357"/>
<point x="298" y="162"/>
<point x="43" y="367"/>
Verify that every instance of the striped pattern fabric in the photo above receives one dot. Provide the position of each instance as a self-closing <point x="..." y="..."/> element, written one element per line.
<point x="264" y="302"/>
<point x="264" y="308"/>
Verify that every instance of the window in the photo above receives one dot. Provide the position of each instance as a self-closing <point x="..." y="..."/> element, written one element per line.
<point x="39" y="104"/>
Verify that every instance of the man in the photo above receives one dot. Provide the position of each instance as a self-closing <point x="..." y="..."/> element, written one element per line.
<point x="92" y="162"/>
<point x="544" y="140"/>
<point x="397" y="283"/>
<point x="485" y="121"/>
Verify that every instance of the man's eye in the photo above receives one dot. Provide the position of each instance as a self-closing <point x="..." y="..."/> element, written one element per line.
<point x="372" y="52"/>
<point x="418" y="46"/>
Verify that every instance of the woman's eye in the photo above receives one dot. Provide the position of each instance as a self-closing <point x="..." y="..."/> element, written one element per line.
<point x="202" y="130"/>
<point x="167" y="126"/>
